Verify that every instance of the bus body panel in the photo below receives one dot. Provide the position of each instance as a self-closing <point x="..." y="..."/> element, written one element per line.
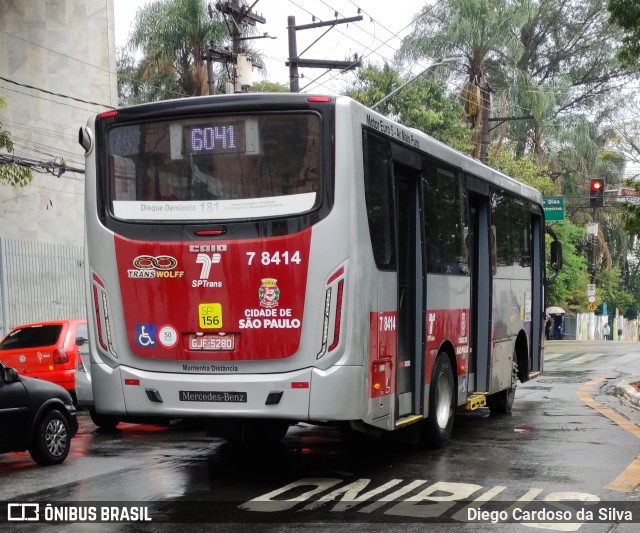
<point x="248" y="295"/>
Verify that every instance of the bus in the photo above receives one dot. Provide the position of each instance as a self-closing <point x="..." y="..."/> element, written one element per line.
<point x="261" y="260"/>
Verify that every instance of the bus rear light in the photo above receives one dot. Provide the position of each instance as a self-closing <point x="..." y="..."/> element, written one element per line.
<point x="96" y="306"/>
<point x="108" y="114"/>
<point x="336" y="327"/>
<point x="131" y="381"/>
<point x="60" y="356"/>
<point x="103" y="322"/>
<point x="299" y="384"/>
<point x="321" y="99"/>
<point x="325" y="324"/>
<point x="327" y="312"/>
<point x="210" y="232"/>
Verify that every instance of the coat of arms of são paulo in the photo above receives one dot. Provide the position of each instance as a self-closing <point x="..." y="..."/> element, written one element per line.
<point x="269" y="293"/>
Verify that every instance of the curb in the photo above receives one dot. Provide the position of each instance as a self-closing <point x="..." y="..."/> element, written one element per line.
<point x="628" y="392"/>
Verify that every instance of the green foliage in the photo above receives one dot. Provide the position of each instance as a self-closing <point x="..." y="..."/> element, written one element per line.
<point x="422" y="104"/>
<point x="611" y="291"/>
<point x="479" y="30"/>
<point x="269" y="87"/>
<point x="626" y="15"/>
<point x="569" y="289"/>
<point x="631" y="213"/>
<point x="172" y="36"/>
<point x="523" y="169"/>
<point x="11" y="173"/>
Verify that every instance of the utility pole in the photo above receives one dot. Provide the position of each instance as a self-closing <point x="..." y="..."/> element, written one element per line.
<point x="484" y="136"/>
<point x="295" y="61"/>
<point x="238" y="17"/>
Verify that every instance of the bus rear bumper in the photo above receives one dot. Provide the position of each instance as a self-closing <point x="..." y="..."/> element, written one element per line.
<point x="304" y="395"/>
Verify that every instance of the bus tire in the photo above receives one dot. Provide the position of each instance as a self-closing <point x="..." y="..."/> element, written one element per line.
<point x="437" y="427"/>
<point x="52" y="439"/>
<point x="501" y="402"/>
<point x="106" y="422"/>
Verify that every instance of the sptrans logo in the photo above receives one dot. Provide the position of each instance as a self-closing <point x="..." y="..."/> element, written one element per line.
<point x="161" y="266"/>
<point x="206" y="259"/>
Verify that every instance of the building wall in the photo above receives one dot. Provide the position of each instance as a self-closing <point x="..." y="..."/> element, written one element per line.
<point x="66" y="47"/>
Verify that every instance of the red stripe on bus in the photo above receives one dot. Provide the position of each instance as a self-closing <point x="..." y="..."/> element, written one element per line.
<point x="336" y="275"/>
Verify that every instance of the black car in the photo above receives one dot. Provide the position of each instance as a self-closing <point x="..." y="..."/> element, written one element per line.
<point x="35" y="415"/>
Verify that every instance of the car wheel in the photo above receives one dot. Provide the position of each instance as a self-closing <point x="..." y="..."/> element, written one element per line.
<point x="52" y="439"/>
<point x="103" y="421"/>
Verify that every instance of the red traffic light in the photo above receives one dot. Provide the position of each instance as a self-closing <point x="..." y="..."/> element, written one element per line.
<point x="596" y="195"/>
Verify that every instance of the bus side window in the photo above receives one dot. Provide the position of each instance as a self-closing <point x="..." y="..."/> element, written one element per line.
<point x="379" y="199"/>
<point x="445" y="220"/>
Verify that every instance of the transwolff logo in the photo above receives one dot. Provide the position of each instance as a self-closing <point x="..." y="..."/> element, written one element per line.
<point x="150" y="267"/>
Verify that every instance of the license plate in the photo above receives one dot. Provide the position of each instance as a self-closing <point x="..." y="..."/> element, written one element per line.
<point x="212" y="343"/>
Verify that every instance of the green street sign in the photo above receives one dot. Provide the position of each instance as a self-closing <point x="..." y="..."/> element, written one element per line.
<point x="553" y="208"/>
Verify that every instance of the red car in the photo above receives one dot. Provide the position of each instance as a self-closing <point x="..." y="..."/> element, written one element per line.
<point x="45" y="350"/>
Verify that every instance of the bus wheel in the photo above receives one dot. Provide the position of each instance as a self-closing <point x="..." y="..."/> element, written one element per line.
<point x="106" y="422"/>
<point x="501" y="402"/>
<point x="442" y="401"/>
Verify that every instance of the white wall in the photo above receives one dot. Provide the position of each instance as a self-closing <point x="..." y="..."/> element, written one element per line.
<point x="65" y="47"/>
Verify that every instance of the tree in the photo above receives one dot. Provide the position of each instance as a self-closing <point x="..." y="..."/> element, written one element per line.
<point x="269" y="87"/>
<point x="568" y="290"/>
<point x="480" y="31"/>
<point x="422" y="104"/>
<point x="172" y="36"/>
<point x="11" y="173"/>
<point x="626" y="15"/>
<point x="523" y="169"/>
<point x="567" y="65"/>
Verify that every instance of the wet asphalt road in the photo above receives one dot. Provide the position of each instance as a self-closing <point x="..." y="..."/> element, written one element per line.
<point x="566" y="439"/>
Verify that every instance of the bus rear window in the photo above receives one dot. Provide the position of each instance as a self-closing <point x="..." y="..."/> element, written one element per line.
<point x="219" y="167"/>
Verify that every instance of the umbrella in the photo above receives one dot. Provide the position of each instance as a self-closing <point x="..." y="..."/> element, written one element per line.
<point x="555" y="310"/>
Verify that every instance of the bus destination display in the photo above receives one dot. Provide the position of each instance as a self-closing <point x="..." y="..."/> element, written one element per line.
<point x="214" y="137"/>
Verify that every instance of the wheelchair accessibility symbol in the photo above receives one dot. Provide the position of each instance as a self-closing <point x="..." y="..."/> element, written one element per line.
<point x="146" y="335"/>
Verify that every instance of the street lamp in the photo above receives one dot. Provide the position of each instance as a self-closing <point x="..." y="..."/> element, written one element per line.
<point x="443" y="61"/>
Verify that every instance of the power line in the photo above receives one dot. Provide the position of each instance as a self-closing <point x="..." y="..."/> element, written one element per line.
<point x="50" y="167"/>
<point x="56" y="52"/>
<point x="55" y="94"/>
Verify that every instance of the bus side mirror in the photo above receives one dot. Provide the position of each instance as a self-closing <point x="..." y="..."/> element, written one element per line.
<point x="556" y="255"/>
<point x="85" y="139"/>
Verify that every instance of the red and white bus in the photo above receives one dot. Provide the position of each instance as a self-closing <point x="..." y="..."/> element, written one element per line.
<point x="265" y="259"/>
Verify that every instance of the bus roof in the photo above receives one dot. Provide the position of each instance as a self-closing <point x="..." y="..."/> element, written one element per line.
<point x="427" y="144"/>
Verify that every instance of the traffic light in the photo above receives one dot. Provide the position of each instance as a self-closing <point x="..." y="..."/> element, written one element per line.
<point x="596" y="192"/>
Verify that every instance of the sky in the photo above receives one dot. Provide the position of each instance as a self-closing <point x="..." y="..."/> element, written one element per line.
<point x="375" y="38"/>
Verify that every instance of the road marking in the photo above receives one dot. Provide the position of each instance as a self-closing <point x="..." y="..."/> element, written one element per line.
<point x="627" y="358"/>
<point x="629" y="478"/>
<point x="548" y="357"/>
<point x="587" y="358"/>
